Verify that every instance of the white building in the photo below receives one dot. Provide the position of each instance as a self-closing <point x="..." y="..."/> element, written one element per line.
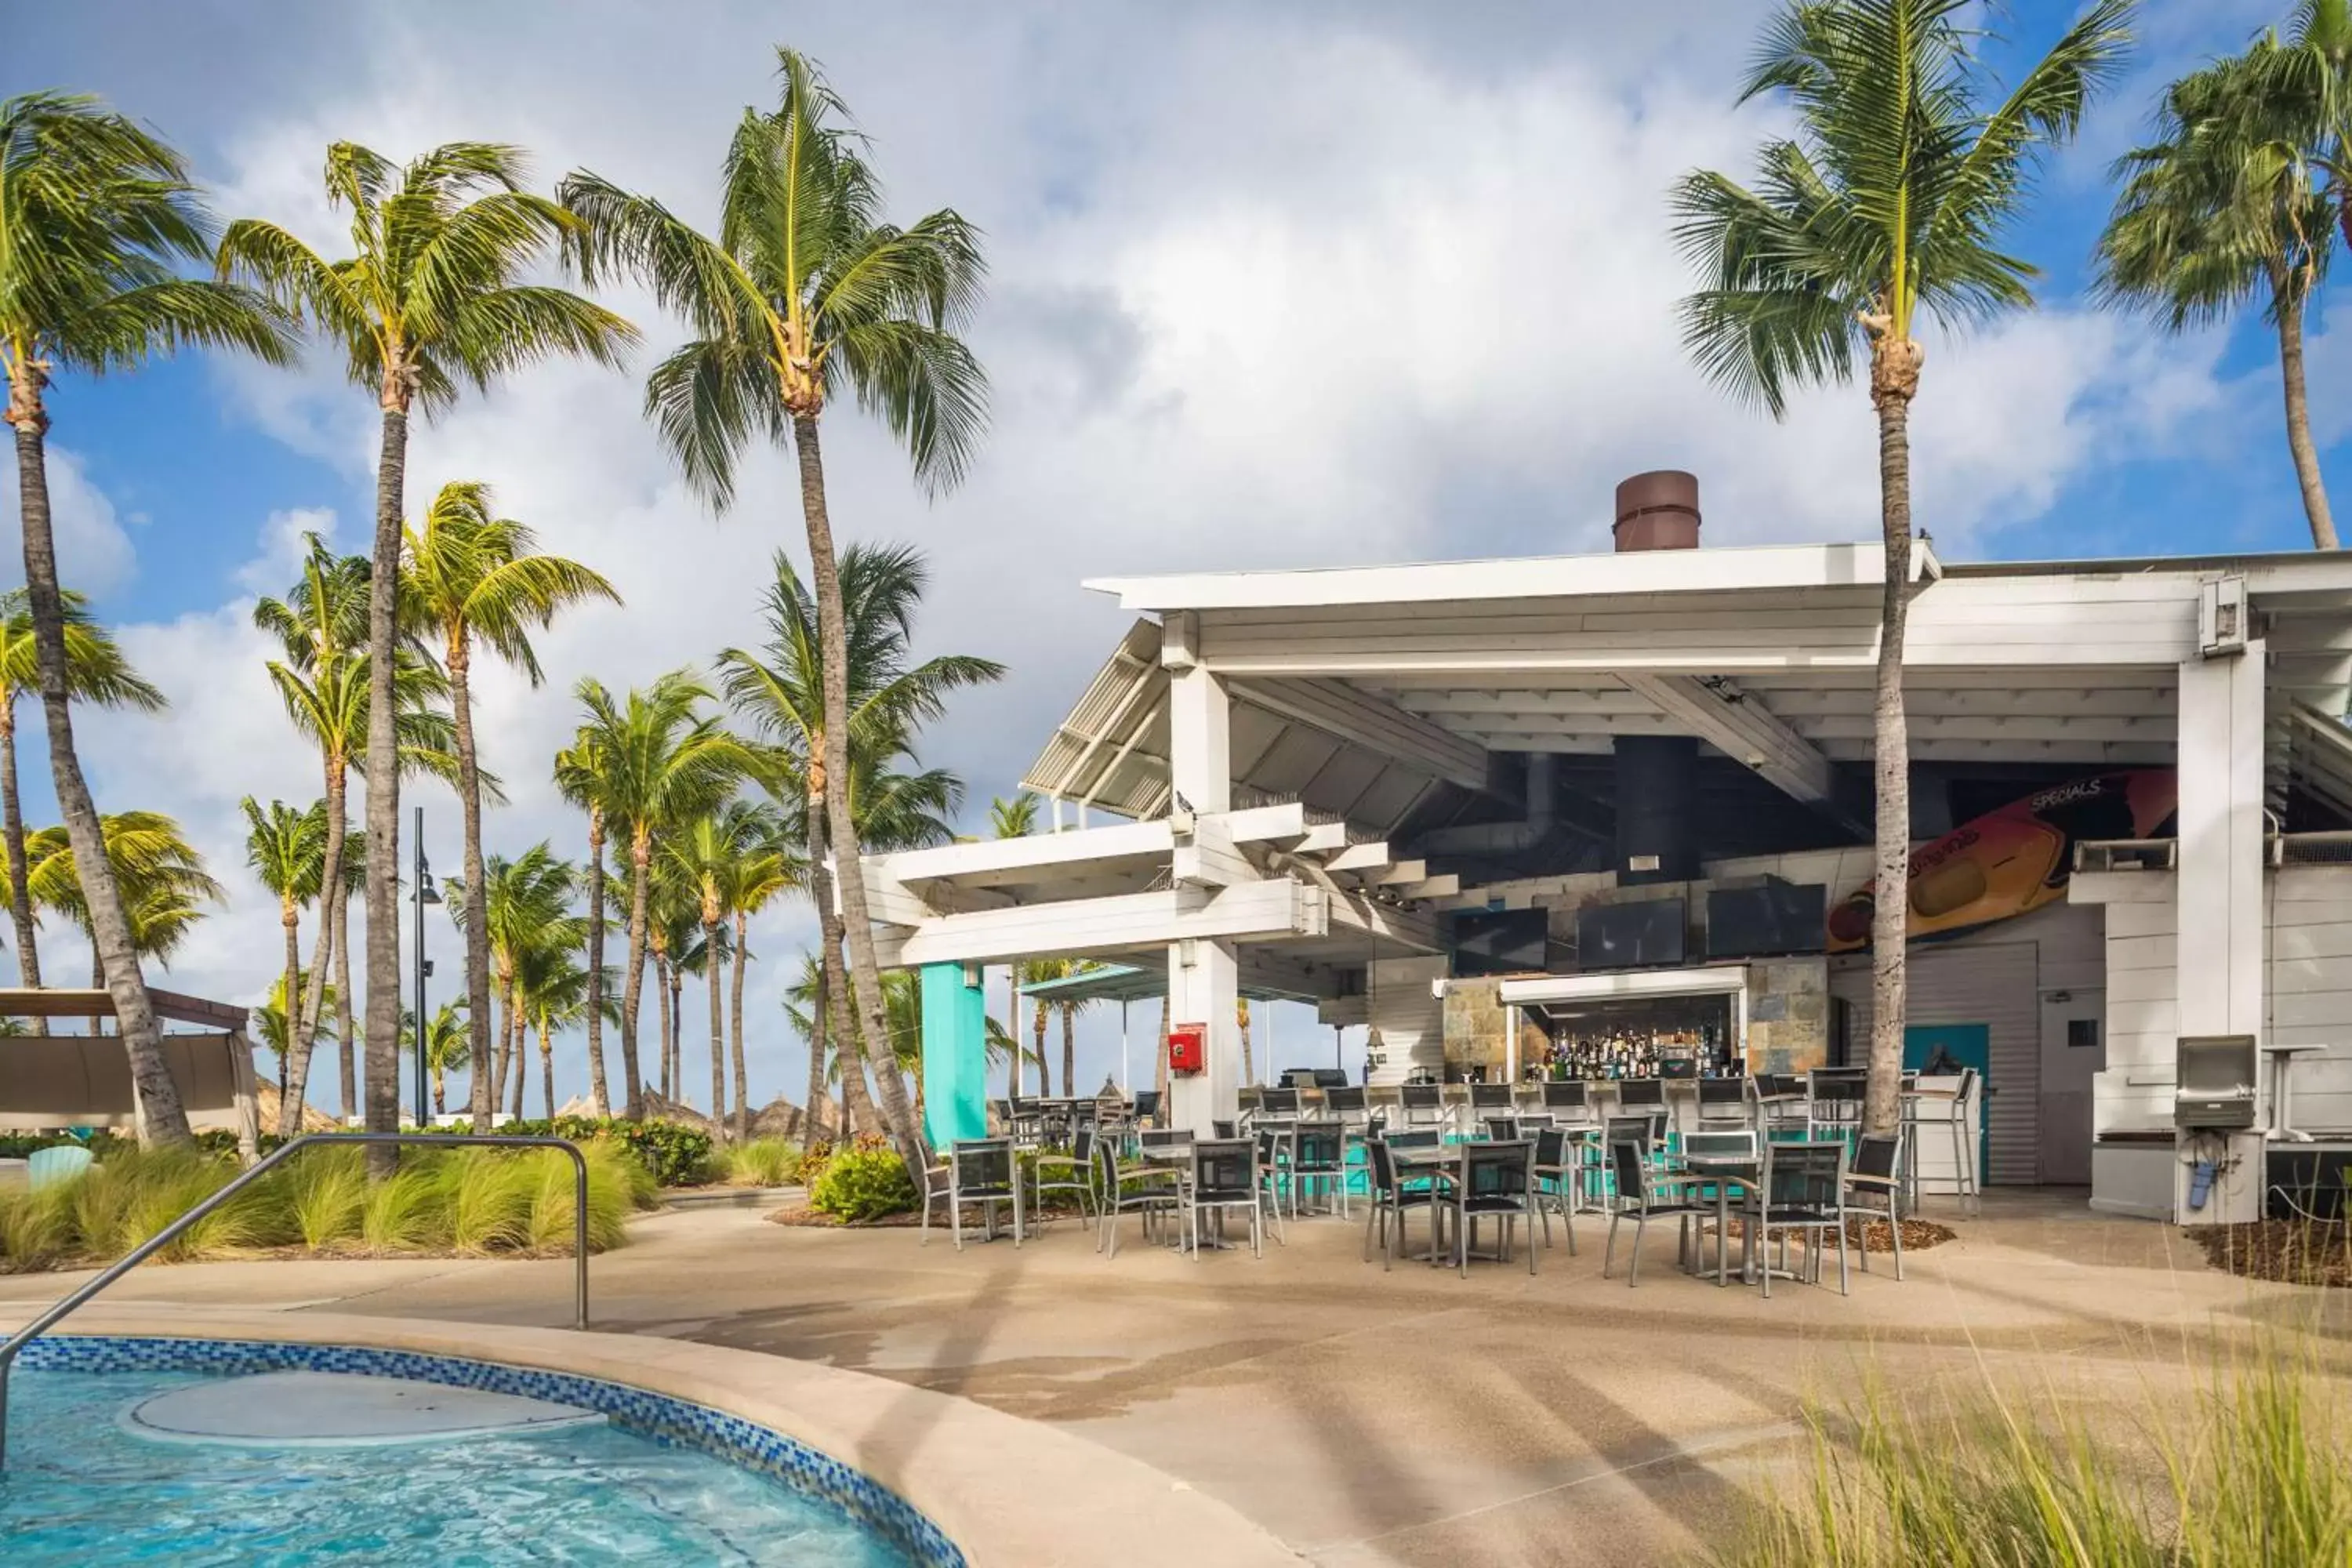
<point x="1309" y="774"/>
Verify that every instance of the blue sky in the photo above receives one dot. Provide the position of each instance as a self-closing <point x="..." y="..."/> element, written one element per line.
<point x="1289" y="284"/>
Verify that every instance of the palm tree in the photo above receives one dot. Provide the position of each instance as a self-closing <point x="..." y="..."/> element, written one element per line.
<point x="472" y="576"/>
<point x="1014" y="818"/>
<point x="2238" y="199"/>
<point x="161" y="878"/>
<point x="271" y="1025"/>
<point x="96" y="217"/>
<point x="804" y="294"/>
<point x="288" y="851"/>
<point x="96" y="672"/>
<point x="652" y="760"/>
<point x="710" y="859"/>
<point x="578" y="780"/>
<point x="782" y="691"/>
<point x="1889" y="199"/>
<point x="772" y="866"/>
<point x="428" y="299"/>
<point x="448" y="1047"/>
<point x="554" y="995"/>
<point x="325" y="685"/>
<point x="524" y="908"/>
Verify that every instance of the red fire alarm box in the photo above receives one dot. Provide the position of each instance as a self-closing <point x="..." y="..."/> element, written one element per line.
<point x="1188" y="1047"/>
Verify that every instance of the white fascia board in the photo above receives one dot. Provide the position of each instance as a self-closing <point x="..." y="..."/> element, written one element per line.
<point x="1753" y="567"/>
<point x="1712" y="980"/>
<point x="1270" y="911"/>
<point x="1032" y="852"/>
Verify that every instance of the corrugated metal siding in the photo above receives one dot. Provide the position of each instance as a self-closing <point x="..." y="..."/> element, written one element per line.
<point x="1995" y="983"/>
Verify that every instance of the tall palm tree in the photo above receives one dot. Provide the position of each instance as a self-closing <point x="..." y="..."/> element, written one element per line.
<point x="772" y="866"/>
<point x="524" y="911"/>
<point x="805" y="293"/>
<point x="653" y="759"/>
<point x="288" y="851"/>
<point x="96" y="672"/>
<point x="448" y="1047"/>
<point x="161" y="878"/>
<point x="97" y="217"/>
<point x="707" y="859"/>
<point x="1014" y="818"/>
<point x="555" y="989"/>
<point x="781" y="690"/>
<point x="1889" y="199"/>
<point x="325" y="684"/>
<point x="271" y="1025"/>
<point x="429" y="298"/>
<point x="2233" y="203"/>
<point x="474" y="576"/>
<point x="578" y="779"/>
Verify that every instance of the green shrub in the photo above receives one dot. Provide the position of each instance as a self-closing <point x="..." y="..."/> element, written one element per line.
<point x="674" y="1155"/>
<point x="763" y="1162"/>
<point x="860" y="1184"/>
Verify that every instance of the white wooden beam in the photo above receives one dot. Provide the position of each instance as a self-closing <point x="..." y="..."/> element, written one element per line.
<point x="1380" y="726"/>
<point x="1208" y="857"/>
<point x="1359" y="857"/>
<point x="1270" y="911"/>
<point x="1741" y="727"/>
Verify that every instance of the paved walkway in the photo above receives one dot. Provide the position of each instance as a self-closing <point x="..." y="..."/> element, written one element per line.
<point x="1410" y="1418"/>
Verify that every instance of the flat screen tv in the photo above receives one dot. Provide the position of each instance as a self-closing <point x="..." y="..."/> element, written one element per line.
<point x="1630" y="936"/>
<point x="1500" y="941"/>
<point x="1762" y="922"/>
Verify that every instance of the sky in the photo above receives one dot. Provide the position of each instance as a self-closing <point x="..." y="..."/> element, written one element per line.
<point x="1270" y="284"/>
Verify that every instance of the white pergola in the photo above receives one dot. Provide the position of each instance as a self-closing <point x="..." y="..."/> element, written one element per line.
<point x="1267" y="730"/>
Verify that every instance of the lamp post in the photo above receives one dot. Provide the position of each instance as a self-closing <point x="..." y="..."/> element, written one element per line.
<point x="425" y="894"/>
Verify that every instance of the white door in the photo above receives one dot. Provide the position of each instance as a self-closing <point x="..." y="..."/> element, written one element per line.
<point x="2074" y="1049"/>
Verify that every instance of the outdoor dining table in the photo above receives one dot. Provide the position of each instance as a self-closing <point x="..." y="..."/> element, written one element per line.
<point x="1728" y="1171"/>
<point x="1178" y="1157"/>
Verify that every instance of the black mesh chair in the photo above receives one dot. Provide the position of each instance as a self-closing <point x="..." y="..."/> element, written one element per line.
<point x="1835" y="1094"/>
<point x="1028" y="1122"/>
<point x="1073" y="1171"/>
<point x="1424" y="1104"/>
<point x="1155" y="1191"/>
<point x="1247" y="1100"/>
<point x="1571" y="1099"/>
<point x="1273" y="1145"/>
<point x="978" y="1171"/>
<point x="1501" y="1129"/>
<point x="1490" y="1099"/>
<point x="1874" y="1185"/>
<point x="1224" y="1129"/>
<point x="1414" y="1138"/>
<point x="1224" y="1178"/>
<point x="1558" y="1173"/>
<point x="1319" y="1157"/>
<point x="1163" y="1137"/>
<point x="1802" y="1193"/>
<point x="1723" y="1101"/>
<point x="1641" y="1094"/>
<point x="1393" y="1197"/>
<point x="1279" y="1102"/>
<point x="1643" y="1197"/>
<point x="1496" y="1182"/>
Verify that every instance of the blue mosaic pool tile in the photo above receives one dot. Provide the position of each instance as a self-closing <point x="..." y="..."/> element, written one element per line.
<point x="658" y="1417"/>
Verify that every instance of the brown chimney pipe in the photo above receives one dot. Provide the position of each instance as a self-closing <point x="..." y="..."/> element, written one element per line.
<point x="1658" y="510"/>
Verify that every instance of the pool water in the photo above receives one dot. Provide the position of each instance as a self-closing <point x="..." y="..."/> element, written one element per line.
<point x="80" y="1492"/>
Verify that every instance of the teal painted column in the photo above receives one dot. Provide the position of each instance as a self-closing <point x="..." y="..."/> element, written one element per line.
<point x="955" y="1055"/>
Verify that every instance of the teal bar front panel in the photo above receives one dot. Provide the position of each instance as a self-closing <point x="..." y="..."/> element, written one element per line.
<point x="955" y="1055"/>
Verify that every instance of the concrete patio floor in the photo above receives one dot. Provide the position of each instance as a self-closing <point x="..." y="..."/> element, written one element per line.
<point x="1407" y="1417"/>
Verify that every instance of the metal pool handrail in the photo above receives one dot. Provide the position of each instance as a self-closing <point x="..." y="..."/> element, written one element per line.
<point x="243" y="1179"/>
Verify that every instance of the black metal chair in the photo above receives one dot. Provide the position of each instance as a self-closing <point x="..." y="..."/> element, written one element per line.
<point x="1247" y="1100"/>
<point x="1491" y="1100"/>
<point x="1643" y="1197"/>
<point x="1641" y="1094"/>
<point x="1724" y="1101"/>
<point x="1163" y="1137"/>
<point x="1803" y="1192"/>
<point x="1318" y="1154"/>
<point x="1278" y="1102"/>
<point x="1835" y="1094"/>
<point x="1227" y="1129"/>
<point x="1568" y="1098"/>
<point x="1949" y="1114"/>
<point x="1414" y="1138"/>
<point x="979" y="1171"/>
<point x="1394" y="1196"/>
<point x="1155" y="1191"/>
<point x="1501" y="1129"/>
<point x="1495" y="1180"/>
<point x="1273" y="1145"/>
<point x="1558" y="1173"/>
<point x="1224" y="1178"/>
<point x="1424" y="1103"/>
<point x="1072" y="1171"/>
<point x="1875" y="1176"/>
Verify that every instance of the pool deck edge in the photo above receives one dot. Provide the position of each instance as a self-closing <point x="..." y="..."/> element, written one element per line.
<point x="1009" y="1492"/>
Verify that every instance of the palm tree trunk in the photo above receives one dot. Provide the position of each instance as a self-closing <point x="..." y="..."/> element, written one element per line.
<point x="546" y="1064"/>
<point x="2298" y="421"/>
<point x="347" y="1036"/>
<point x="1890" y="923"/>
<point x="735" y="1026"/>
<point x="383" y="1077"/>
<point x="161" y="1118"/>
<point x="20" y="896"/>
<point x="834" y="991"/>
<point x="440" y="1097"/>
<point x="498" y="1049"/>
<point x="661" y="1004"/>
<point x="1012" y="1031"/>
<point x="1069" y="1048"/>
<point x="515" y="1052"/>
<point x="633" y="983"/>
<point x="711" y="964"/>
<point x="1160" y="1053"/>
<point x="864" y="971"/>
<point x="1045" y="1072"/>
<point x="676" y="1033"/>
<point x="304" y="1025"/>
<point x="1249" y="1068"/>
<point x="477" y="896"/>
<point x="290" y="918"/>
<point x="601" y="1098"/>
<point x="820" y="1036"/>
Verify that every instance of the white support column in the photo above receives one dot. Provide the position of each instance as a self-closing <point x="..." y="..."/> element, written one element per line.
<point x="2217" y="955"/>
<point x="1203" y="977"/>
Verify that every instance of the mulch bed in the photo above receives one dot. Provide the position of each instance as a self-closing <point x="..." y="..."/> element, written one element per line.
<point x="1872" y="1235"/>
<point x="2287" y="1251"/>
<point x="807" y="1218"/>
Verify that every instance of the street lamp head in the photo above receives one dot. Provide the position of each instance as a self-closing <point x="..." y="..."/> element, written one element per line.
<point x="426" y="893"/>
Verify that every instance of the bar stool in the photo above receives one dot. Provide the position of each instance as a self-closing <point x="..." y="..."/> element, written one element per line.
<point x="1924" y="1112"/>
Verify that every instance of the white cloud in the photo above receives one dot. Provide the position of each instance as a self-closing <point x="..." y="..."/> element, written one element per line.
<point x="95" y="555"/>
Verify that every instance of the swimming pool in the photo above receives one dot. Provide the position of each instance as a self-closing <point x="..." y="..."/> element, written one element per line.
<point x="657" y="1480"/>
